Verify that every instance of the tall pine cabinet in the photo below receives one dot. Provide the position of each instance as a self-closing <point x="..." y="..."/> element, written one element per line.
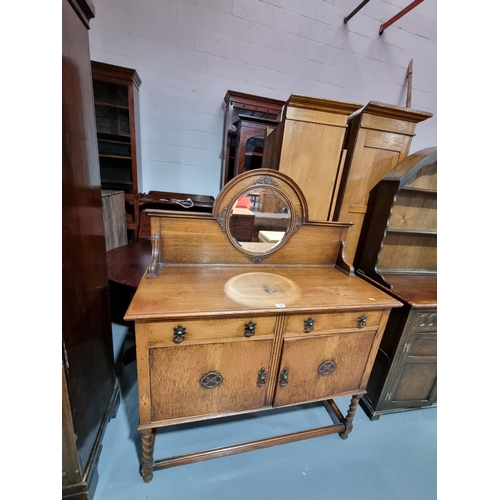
<point x="378" y="137"/>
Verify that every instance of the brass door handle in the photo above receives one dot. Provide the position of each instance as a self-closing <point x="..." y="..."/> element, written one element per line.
<point x="308" y="325"/>
<point x="250" y="329"/>
<point x="261" y="377"/>
<point x="327" y="367"/>
<point x="284" y="377"/>
<point x="362" y="321"/>
<point x="211" y="380"/>
<point x="179" y="334"/>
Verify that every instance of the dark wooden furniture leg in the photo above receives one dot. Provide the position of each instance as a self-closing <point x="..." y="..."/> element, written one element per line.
<point x="350" y="416"/>
<point x="148" y="439"/>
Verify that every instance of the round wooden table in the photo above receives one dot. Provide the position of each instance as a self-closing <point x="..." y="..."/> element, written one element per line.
<point x="127" y="264"/>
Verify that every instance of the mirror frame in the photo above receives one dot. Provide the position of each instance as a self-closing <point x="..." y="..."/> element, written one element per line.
<point x="261" y="178"/>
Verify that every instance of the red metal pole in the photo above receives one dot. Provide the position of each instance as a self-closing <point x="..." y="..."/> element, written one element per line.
<point x="399" y="16"/>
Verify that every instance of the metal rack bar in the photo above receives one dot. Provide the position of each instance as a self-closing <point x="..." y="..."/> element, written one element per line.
<point x="356" y="10"/>
<point x="399" y="15"/>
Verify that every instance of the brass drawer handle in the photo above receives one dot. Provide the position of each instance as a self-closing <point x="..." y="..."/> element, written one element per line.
<point x="261" y="377"/>
<point x="179" y="334"/>
<point x="362" y="321"/>
<point x="308" y="325"/>
<point x="284" y="377"/>
<point x="211" y="380"/>
<point x="250" y="329"/>
<point x="327" y="367"/>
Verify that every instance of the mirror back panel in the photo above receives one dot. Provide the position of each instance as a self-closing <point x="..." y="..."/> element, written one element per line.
<point x="260" y="217"/>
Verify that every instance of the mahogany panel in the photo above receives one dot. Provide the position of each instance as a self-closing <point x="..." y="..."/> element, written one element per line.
<point x="89" y="388"/>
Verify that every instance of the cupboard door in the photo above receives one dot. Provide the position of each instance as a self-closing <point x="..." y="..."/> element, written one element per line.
<point x="206" y="379"/>
<point x="415" y="380"/>
<point x="314" y="368"/>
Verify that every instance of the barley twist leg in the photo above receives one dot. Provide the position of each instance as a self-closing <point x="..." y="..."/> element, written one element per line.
<point x="350" y="416"/>
<point x="147" y="438"/>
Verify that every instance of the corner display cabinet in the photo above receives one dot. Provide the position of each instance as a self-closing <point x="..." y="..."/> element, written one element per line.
<point x="116" y="103"/>
<point x="250" y="326"/>
<point x="400" y="257"/>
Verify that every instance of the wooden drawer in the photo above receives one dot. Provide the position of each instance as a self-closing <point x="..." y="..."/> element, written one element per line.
<point x="241" y="221"/>
<point x="242" y="234"/>
<point x="206" y="329"/>
<point x="425" y="321"/>
<point x="295" y="323"/>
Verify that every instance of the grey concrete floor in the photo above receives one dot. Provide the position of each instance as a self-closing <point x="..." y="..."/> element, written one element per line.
<point x="393" y="458"/>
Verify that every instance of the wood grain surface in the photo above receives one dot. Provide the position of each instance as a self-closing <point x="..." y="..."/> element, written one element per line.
<point x="191" y="291"/>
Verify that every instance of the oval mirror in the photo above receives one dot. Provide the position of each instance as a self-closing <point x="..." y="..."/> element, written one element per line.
<point x="259" y="220"/>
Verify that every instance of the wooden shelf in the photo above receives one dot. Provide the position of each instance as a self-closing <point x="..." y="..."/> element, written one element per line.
<point x="114" y="135"/>
<point x="108" y="181"/>
<point x="114" y="142"/>
<point x="410" y="272"/>
<point x="120" y="106"/>
<point x="430" y="191"/>
<point x="411" y="231"/>
<point x="116" y="156"/>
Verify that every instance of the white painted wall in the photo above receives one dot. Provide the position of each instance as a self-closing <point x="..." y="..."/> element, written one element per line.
<point x="188" y="53"/>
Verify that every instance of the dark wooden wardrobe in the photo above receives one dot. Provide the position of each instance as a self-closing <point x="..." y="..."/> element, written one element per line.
<point x="89" y="387"/>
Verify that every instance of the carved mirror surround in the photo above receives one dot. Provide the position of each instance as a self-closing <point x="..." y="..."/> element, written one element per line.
<point x="260" y="211"/>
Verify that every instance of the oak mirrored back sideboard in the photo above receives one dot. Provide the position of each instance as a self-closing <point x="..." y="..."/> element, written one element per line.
<point x="251" y="307"/>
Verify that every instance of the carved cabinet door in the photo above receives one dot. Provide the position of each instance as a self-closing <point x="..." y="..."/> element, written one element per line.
<point x="415" y="379"/>
<point x="318" y="367"/>
<point x="211" y="378"/>
<point x="414" y="382"/>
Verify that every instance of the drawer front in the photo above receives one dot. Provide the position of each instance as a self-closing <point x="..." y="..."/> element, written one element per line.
<point x="317" y="323"/>
<point x="422" y="345"/>
<point x="241" y="221"/>
<point x="242" y="234"/>
<point x="184" y="331"/>
<point x="425" y="321"/>
<point x="320" y="367"/>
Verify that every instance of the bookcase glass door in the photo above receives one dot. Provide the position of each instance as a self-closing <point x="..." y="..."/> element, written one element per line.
<point x="113" y="136"/>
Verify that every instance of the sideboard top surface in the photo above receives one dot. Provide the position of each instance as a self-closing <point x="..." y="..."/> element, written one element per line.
<point x="199" y="290"/>
<point x="199" y="268"/>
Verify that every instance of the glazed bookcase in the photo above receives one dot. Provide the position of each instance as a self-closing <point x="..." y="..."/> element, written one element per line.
<point x="117" y="122"/>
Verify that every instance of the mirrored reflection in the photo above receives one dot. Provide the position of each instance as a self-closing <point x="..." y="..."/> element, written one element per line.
<point x="259" y="220"/>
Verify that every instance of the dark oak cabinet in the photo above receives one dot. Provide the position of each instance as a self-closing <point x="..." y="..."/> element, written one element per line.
<point x="247" y="121"/>
<point x="89" y="387"/>
<point x="399" y="256"/>
<point x="117" y="124"/>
